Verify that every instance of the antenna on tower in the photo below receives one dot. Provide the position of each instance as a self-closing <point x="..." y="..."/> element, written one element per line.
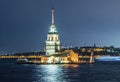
<point x="52" y="14"/>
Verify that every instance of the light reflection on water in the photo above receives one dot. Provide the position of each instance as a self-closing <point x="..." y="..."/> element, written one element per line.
<point x="10" y="72"/>
<point x="77" y="73"/>
<point x="53" y="73"/>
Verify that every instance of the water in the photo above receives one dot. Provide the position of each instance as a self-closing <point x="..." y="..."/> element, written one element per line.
<point x="11" y="72"/>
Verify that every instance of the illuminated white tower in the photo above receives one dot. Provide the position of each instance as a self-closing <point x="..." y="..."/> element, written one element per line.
<point x="53" y="41"/>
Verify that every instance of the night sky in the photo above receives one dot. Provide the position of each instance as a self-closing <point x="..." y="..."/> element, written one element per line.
<point x="24" y="24"/>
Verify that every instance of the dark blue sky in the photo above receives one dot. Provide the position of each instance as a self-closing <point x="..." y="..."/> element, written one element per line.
<point x="24" y="24"/>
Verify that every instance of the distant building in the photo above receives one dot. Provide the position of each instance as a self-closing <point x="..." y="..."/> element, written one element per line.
<point x="89" y="49"/>
<point x="53" y="41"/>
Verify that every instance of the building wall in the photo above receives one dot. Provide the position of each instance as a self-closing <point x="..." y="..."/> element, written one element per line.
<point x="72" y="56"/>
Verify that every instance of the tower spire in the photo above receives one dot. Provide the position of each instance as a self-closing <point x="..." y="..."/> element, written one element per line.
<point x="52" y="14"/>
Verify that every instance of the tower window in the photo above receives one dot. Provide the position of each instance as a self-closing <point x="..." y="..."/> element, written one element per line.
<point x="49" y="38"/>
<point x="52" y="38"/>
<point x="55" y="38"/>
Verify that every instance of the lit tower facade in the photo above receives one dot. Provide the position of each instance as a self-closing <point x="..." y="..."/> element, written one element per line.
<point x="53" y="41"/>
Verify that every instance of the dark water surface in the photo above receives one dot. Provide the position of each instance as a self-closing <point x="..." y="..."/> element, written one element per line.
<point x="11" y="72"/>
